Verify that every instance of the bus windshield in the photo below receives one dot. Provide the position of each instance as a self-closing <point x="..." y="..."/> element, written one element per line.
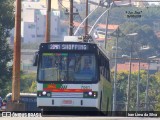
<point x="67" y="67"/>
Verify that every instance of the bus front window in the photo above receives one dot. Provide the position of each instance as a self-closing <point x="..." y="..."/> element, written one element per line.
<point x="67" y="67"/>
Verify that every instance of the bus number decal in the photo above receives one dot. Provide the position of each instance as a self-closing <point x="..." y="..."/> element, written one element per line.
<point x="63" y="87"/>
<point x="85" y="87"/>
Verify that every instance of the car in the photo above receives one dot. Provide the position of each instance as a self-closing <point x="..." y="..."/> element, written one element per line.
<point x="125" y="56"/>
<point x="4" y="105"/>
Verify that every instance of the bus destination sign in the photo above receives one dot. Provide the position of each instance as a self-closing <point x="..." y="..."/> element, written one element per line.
<point x="68" y="47"/>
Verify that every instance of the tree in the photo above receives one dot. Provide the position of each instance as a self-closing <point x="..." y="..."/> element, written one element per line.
<point x="6" y="24"/>
<point x="28" y="82"/>
<point x="153" y="93"/>
<point x="145" y="37"/>
<point x="157" y="91"/>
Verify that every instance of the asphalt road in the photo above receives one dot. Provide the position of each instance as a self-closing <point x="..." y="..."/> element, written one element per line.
<point x="37" y="116"/>
<point x="56" y="117"/>
<point x="75" y="118"/>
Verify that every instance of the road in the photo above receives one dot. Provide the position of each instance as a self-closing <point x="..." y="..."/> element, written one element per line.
<point x="69" y="117"/>
<point x="76" y="118"/>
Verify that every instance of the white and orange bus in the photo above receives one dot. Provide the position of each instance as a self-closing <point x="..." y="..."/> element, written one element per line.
<point x="73" y="76"/>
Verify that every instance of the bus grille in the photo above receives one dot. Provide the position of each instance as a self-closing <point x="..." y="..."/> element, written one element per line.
<point x="67" y="95"/>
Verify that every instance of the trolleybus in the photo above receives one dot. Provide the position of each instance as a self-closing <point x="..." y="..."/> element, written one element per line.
<point x="73" y="76"/>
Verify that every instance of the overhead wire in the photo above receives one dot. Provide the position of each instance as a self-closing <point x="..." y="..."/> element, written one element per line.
<point x="66" y="9"/>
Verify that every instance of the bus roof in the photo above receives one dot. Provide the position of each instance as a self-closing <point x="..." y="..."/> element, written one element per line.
<point x="66" y="42"/>
<point x="77" y="43"/>
<point x="69" y="46"/>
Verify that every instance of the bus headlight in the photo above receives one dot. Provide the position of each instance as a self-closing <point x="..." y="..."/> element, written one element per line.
<point x="91" y="94"/>
<point x="44" y="93"/>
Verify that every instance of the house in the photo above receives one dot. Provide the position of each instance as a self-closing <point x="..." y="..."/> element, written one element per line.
<point x="153" y="66"/>
<point x="65" y="25"/>
<point x="100" y="31"/>
<point x="134" y="66"/>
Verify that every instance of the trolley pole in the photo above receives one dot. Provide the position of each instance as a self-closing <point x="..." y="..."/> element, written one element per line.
<point x="71" y="18"/>
<point x="86" y="23"/>
<point x="48" y="22"/>
<point x="17" y="54"/>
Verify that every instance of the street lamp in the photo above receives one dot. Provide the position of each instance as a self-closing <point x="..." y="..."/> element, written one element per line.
<point x="129" y="77"/>
<point x="147" y="86"/>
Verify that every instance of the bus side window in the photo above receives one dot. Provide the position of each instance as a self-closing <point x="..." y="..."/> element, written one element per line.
<point x="104" y="67"/>
<point x="107" y="70"/>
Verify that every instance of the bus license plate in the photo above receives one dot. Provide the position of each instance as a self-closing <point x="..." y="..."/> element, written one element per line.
<point x="67" y="102"/>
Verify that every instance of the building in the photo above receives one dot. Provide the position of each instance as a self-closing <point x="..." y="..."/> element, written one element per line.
<point x="27" y="56"/>
<point x="134" y="66"/>
<point x="100" y="31"/>
<point x="33" y="22"/>
<point x="65" y="30"/>
<point x="65" y="4"/>
<point x="153" y="66"/>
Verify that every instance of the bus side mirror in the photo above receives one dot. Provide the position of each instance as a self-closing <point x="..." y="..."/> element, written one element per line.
<point x="35" y="59"/>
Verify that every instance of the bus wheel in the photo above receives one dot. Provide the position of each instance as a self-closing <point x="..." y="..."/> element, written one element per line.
<point x="46" y="111"/>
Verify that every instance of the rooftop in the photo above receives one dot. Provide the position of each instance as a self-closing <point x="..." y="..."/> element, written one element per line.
<point x="33" y="5"/>
<point x="134" y="66"/>
<point x="110" y="26"/>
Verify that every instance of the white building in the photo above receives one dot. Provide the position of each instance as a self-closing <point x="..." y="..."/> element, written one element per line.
<point x="33" y="24"/>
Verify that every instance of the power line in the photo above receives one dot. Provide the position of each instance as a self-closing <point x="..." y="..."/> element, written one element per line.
<point x="62" y="5"/>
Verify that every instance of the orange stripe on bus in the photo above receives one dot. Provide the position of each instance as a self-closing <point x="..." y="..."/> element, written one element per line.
<point x="67" y="90"/>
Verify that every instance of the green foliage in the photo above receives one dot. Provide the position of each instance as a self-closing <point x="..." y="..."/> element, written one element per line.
<point x="6" y="23"/>
<point x="28" y="82"/>
<point x="143" y="26"/>
<point x="157" y="92"/>
<point x="153" y="93"/>
<point x="145" y="37"/>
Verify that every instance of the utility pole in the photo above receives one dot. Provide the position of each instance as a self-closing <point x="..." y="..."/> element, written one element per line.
<point x="116" y="34"/>
<point x="147" y="88"/>
<point x="48" y="21"/>
<point x="15" y="105"/>
<point x="115" y="73"/>
<point x="139" y="65"/>
<point x="86" y="24"/>
<point x="17" y="54"/>
<point x="129" y="76"/>
<point x="71" y="18"/>
<point x="105" y="40"/>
